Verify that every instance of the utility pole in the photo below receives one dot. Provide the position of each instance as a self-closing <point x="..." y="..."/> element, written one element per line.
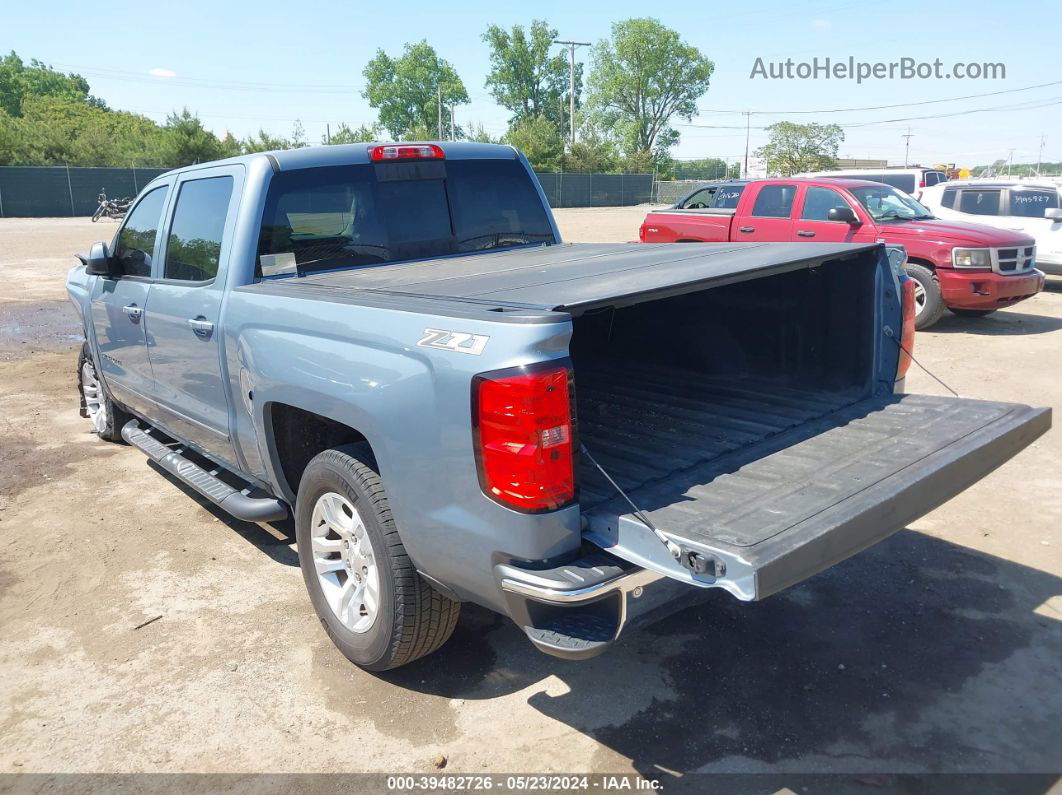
<point x="1010" y="161"/>
<point x="439" y="128"/>
<point x="1040" y="156"/>
<point x="328" y="133"/>
<point x="748" y="121"/>
<point x="907" y="146"/>
<point x="571" y="45"/>
<point x="453" y="127"/>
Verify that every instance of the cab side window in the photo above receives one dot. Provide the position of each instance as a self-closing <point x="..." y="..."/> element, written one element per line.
<point x="948" y="198"/>
<point x="136" y="241"/>
<point x="193" y="249"/>
<point x="979" y="202"/>
<point x="819" y="201"/>
<point x="774" y="201"/>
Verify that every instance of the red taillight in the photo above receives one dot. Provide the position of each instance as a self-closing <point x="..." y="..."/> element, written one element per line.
<point x="525" y="438"/>
<point x="922" y="183"/>
<point x="907" y="333"/>
<point x="641" y="233"/>
<point x="406" y="152"/>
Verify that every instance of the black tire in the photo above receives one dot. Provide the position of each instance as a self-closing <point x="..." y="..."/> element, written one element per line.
<point x="413" y="619"/>
<point x="972" y="312"/>
<point x="934" y="302"/>
<point x="116" y="417"/>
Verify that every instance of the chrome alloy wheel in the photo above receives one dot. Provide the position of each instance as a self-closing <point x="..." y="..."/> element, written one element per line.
<point x="919" y="297"/>
<point x="92" y="392"/>
<point x="345" y="562"/>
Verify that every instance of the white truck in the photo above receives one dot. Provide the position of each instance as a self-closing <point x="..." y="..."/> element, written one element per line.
<point x="1034" y="208"/>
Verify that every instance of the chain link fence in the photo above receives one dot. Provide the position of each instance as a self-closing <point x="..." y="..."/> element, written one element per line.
<point x="58" y="191"/>
<point x="565" y="189"/>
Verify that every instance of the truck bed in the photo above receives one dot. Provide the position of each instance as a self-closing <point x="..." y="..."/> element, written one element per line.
<point x="644" y="423"/>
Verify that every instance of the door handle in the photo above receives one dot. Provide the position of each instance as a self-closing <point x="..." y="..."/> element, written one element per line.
<point x="747" y="229"/>
<point x="134" y="312"/>
<point x="202" y="327"/>
<point x="805" y="233"/>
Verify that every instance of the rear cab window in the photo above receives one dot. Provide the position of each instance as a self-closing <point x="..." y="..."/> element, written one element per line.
<point x="1028" y="203"/>
<point x="774" y="201"/>
<point x="947" y="199"/>
<point x="700" y="200"/>
<point x="370" y="214"/>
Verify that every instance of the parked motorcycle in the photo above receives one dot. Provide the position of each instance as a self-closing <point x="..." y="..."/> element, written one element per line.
<point x="111" y="208"/>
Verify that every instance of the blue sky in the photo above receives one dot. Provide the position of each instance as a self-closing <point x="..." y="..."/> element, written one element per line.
<point x="242" y="66"/>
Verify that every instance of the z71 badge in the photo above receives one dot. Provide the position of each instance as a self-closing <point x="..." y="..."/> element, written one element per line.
<point x="455" y="341"/>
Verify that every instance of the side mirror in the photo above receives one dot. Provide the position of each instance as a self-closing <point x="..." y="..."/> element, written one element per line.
<point x="98" y="262"/>
<point x="1054" y="213"/>
<point x="843" y="215"/>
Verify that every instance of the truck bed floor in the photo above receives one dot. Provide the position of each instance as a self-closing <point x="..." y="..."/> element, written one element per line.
<point x="644" y="422"/>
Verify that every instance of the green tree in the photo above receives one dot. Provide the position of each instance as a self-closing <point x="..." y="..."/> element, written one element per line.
<point x="540" y="140"/>
<point x="594" y="152"/>
<point x="264" y="142"/>
<point x="478" y="133"/>
<point x="525" y="77"/>
<point x="643" y="77"/>
<point x="186" y="141"/>
<point x="792" y="148"/>
<point x="345" y="135"/>
<point x="406" y="89"/>
<point x="18" y="81"/>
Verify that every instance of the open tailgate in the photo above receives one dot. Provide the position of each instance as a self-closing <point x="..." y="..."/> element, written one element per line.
<point x="764" y="517"/>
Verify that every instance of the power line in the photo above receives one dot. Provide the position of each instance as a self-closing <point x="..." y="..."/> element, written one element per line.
<point x="884" y="107"/>
<point x="1018" y="106"/>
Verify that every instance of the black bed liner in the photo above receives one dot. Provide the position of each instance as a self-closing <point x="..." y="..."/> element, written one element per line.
<point x="778" y="483"/>
<point x="654" y="420"/>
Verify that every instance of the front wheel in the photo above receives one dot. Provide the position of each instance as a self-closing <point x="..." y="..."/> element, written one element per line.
<point x="929" y="303"/>
<point x="972" y="312"/>
<point x="96" y="405"/>
<point x="98" y="214"/>
<point x="368" y="596"/>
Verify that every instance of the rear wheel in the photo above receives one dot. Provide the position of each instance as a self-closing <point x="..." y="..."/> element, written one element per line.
<point x="107" y="418"/>
<point x="972" y="312"/>
<point x="368" y="596"/>
<point x="929" y="304"/>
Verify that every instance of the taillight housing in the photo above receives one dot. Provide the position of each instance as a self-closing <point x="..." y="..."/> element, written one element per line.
<point x="406" y="152"/>
<point x="524" y="436"/>
<point x="907" y="333"/>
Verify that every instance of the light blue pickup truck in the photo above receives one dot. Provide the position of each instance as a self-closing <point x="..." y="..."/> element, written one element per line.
<point x="391" y="343"/>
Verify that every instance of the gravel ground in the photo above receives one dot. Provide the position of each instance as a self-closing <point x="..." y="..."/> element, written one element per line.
<point x="938" y="650"/>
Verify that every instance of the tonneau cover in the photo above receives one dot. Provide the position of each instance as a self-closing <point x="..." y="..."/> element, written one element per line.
<point x="580" y="276"/>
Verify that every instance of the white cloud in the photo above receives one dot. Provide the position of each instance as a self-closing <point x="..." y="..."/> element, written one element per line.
<point x="821" y="24"/>
<point x="158" y="72"/>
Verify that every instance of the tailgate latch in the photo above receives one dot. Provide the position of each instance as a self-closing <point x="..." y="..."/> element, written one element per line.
<point x="699" y="563"/>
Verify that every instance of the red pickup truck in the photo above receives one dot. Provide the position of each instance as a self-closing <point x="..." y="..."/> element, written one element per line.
<point x="971" y="269"/>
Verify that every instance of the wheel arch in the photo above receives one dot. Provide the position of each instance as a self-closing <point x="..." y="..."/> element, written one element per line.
<point x="294" y="435"/>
